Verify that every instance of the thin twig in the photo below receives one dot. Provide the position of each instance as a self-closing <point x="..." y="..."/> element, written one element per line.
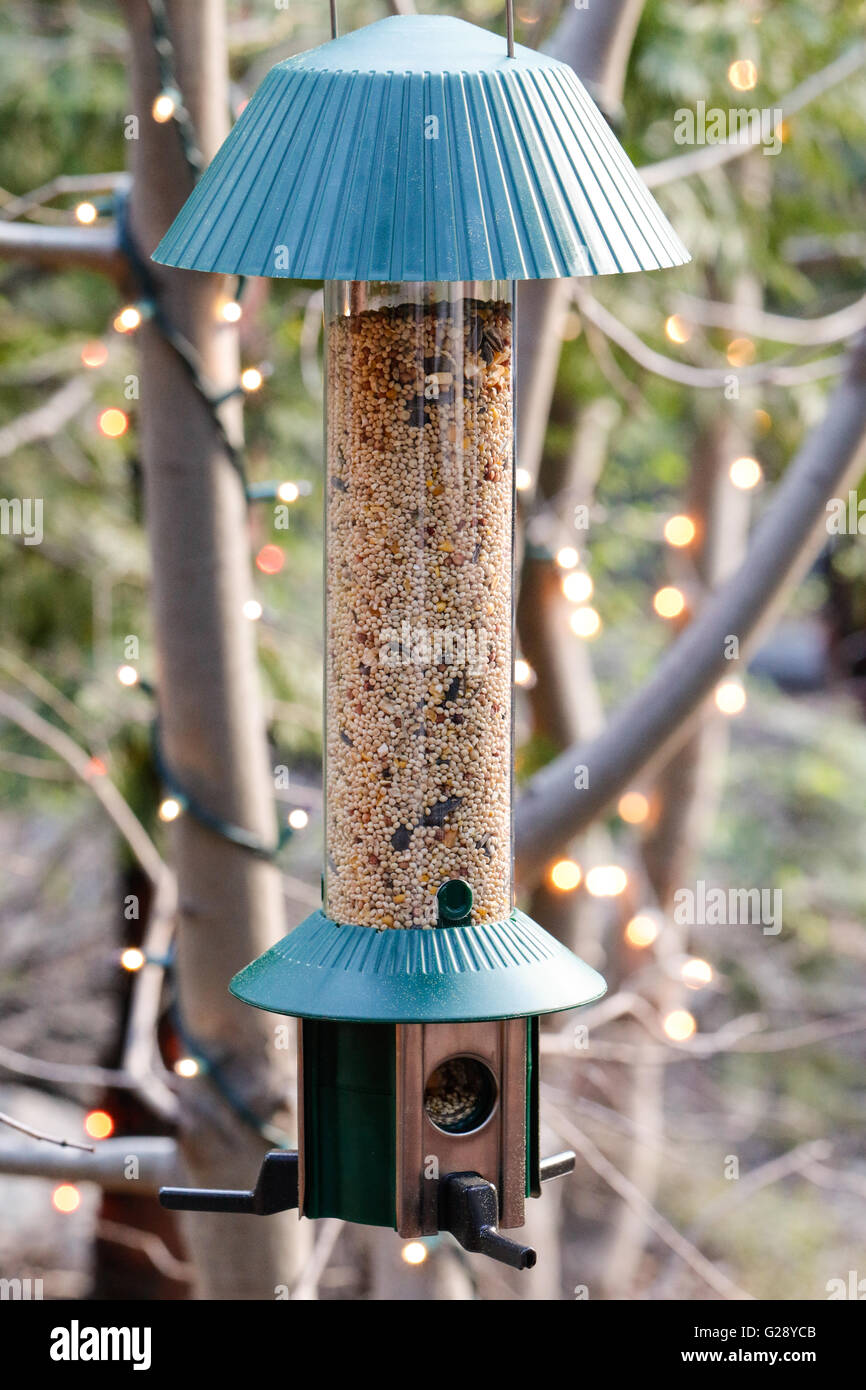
<point x="39" y="1134"/>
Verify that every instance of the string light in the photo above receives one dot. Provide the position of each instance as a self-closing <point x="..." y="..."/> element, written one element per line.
<point x="270" y="559"/>
<point x="94" y="354"/>
<point x="677" y="330"/>
<point x="523" y="673"/>
<point x="743" y="75"/>
<point x="163" y="108"/>
<point x="741" y="352"/>
<point x="230" y="310"/>
<point x="679" y="531"/>
<point x="566" y="875"/>
<point x="86" y="213"/>
<point x="730" y="696"/>
<point x="522" y="479"/>
<point x="99" y="1124"/>
<point x="577" y="586"/>
<point x="95" y="768"/>
<point x="169" y="809"/>
<point x="253" y="610"/>
<point x="606" y="881"/>
<point x="414" y="1253"/>
<point x="251" y="379"/>
<point x="132" y="959"/>
<point x="745" y="473"/>
<point x="66" y="1198"/>
<point x="633" y="807"/>
<point x="567" y="557"/>
<point x="128" y="319"/>
<point x="186" y="1066"/>
<point x="288" y="492"/>
<point x="697" y="973"/>
<point x="679" y="1025"/>
<point x="669" y="602"/>
<point x="584" y="622"/>
<point x="298" y="818"/>
<point x="641" y="931"/>
<point x="113" y="423"/>
<point x="127" y="675"/>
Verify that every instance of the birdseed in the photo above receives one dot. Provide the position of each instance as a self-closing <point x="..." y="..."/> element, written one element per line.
<point x="419" y="555"/>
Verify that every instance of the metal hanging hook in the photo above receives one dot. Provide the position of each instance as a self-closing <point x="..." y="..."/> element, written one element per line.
<point x="333" y="18"/>
<point x="509" y="26"/>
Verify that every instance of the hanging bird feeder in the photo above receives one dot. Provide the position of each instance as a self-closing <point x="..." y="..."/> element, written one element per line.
<point x="419" y="167"/>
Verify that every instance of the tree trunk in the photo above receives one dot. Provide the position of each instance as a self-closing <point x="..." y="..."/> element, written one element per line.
<point x="212" y="727"/>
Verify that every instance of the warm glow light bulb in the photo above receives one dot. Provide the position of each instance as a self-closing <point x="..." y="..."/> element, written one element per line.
<point x="230" y="311"/>
<point x="522" y="479"/>
<point x="94" y="354"/>
<point x="523" y="672"/>
<point x="298" y="818"/>
<point x="270" y="559"/>
<point x="251" y="378"/>
<point x="99" y="1124"/>
<point x="577" y="586"/>
<point x="606" y="881"/>
<point x="169" y="809"/>
<point x="565" y="875"/>
<point x="584" y="622"/>
<point x="414" y="1253"/>
<point x="677" y="330"/>
<point x="745" y="473"/>
<point x="743" y="75"/>
<point x="730" y="697"/>
<point x="253" y="610"/>
<point x="696" y="973"/>
<point x="641" y="931"/>
<point x="128" y="319"/>
<point x="633" y="807"/>
<point x="113" y="423"/>
<point x="85" y="213"/>
<point x="127" y="675"/>
<point x="186" y="1066"/>
<point x="288" y="492"/>
<point x="163" y="108"/>
<point x="132" y="958"/>
<point x="679" y="1025"/>
<point x="567" y="557"/>
<point x="66" y="1198"/>
<point x="680" y="531"/>
<point x="669" y="602"/>
<point x="741" y="352"/>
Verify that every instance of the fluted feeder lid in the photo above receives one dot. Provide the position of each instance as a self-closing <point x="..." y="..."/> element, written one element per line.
<point x="509" y="969"/>
<point x="416" y="149"/>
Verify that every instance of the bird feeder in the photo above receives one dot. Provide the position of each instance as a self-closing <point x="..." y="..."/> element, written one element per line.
<point x="419" y="167"/>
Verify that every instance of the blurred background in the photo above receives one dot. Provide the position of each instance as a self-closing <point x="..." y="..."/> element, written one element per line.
<point x="691" y="681"/>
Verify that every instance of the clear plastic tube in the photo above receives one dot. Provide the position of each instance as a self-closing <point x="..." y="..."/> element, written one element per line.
<point x="419" y="537"/>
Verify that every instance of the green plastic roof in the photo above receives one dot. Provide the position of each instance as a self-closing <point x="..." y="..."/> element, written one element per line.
<point x="510" y="969"/>
<point x="416" y="149"/>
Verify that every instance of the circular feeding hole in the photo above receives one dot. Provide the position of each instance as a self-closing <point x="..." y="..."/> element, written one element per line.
<point x="460" y="1095"/>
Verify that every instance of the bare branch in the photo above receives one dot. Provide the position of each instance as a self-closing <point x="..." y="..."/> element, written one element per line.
<point x="780" y="328"/>
<point x="64" y="248"/>
<point x="39" y="1134"/>
<point x="609" y="1173"/>
<point x="708" y="157"/>
<point x="48" y="418"/>
<point x="29" y="203"/>
<point x="660" y="716"/>
<point x="156" y="1164"/>
<point x="712" y="378"/>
